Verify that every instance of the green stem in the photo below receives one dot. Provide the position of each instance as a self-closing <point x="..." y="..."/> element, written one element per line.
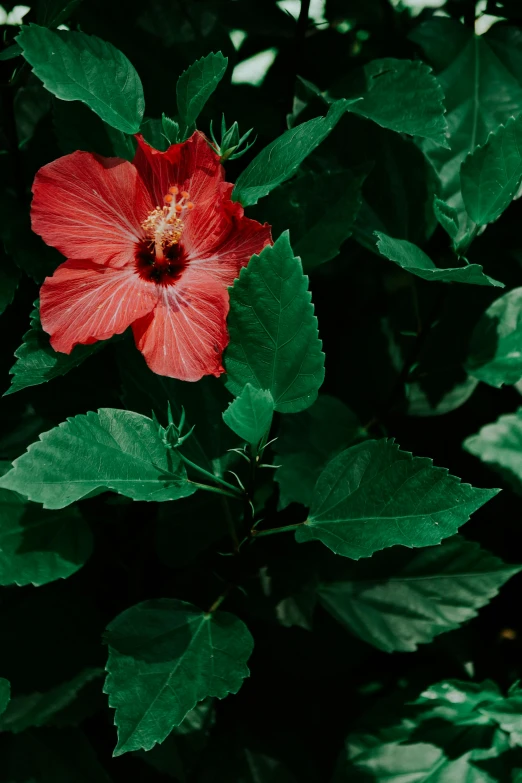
<point x="271" y="531"/>
<point x="217" y="490"/>
<point x="217" y="603"/>
<point x="211" y="476"/>
<point x="463" y="249"/>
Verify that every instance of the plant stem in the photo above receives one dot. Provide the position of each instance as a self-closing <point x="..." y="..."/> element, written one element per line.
<point x="231" y="490"/>
<point x="217" y="603"/>
<point x="472" y="235"/>
<point x="271" y="531"/>
<point x="217" y="490"/>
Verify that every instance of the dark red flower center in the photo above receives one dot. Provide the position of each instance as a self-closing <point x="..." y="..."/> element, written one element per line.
<point x="165" y="271"/>
<point x="160" y="258"/>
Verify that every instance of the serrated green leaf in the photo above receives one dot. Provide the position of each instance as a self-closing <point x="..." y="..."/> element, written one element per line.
<point x="181" y="751"/>
<point x="490" y="175"/>
<point x="307" y="441"/>
<point x="447" y="216"/>
<point x="373" y="496"/>
<point x="37" y="362"/>
<point x="196" y="85"/>
<point x="250" y="414"/>
<point x="495" y="351"/>
<point x="411" y="258"/>
<point x="277" y="162"/>
<point x="274" y="342"/>
<point x="402" y="95"/>
<point x="37" y="546"/>
<point x="318" y="209"/>
<point x="203" y="402"/>
<point x="79" y="67"/>
<point x="400" y="599"/>
<point x="500" y="444"/>
<point x="165" y="656"/>
<point x="170" y="129"/>
<point x="481" y="77"/>
<point x="5" y="694"/>
<point x="109" y="450"/>
<point x="443" y="737"/>
<point x="38" y="709"/>
<point x="508" y="714"/>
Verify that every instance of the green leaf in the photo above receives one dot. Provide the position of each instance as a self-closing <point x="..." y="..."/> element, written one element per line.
<point x="399" y="599"/>
<point x="28" y="250"/>
<point x="500" y="444"/>
<point x="447" y="216"/>
<point x="508" y="714"/>
<point x="170" y="129"/>
<point x="182" y="750"/>
<point x="11" y="52"/>
<point x="277" y="162"/>
<point x="481" y="77"/>
<point x="196" y="85"/>
<point x="411" y="258"/>
<point x="37" y="546"/>
<point x="31" y="104"/>
<point x="37" y="362"/>
<point x="274" y="342"/>
<point x="402" y="95"/>
<point x="79" y="67"/>
<point x="9" y="279"/>
<point x="318" y="209"/>
<point x="443" y="737"/>
<point x="109" y="450"/>
<point x="495" y="351"/>
<point x="250" y="414"/>
<point x="307" y="441"/>
<point x="203" y="402"/>
<point x="5" y="694"/>
<point x="373" y="496"/>
<point x="78" y="128"/>
<point x="490" y="176"/>
<point x="38" y="709"/>
<point x="165" y="656"/>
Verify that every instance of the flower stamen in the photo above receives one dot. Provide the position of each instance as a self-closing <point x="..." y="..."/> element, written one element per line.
<point x="164" y="225"/>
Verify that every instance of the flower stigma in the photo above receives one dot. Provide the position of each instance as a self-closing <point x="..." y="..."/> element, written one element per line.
<point x="164" y="225"/>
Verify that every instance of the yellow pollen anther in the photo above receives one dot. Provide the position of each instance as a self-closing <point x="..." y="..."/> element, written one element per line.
<point x="163" y="226"/>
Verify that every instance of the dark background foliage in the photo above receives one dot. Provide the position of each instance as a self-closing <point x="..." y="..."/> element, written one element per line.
<point x="306" y="691"/>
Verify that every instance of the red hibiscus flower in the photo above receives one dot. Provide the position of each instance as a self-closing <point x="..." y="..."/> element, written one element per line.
<point x="152" y="244"/>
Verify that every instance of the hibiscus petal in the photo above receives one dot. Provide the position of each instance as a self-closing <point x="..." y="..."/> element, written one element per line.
<point x="90" y="207"/>
<point x="191" y="165"/>
<point x="224" y="242"/>
<point x="84" y="302"/>
<point x="184" y="337"/>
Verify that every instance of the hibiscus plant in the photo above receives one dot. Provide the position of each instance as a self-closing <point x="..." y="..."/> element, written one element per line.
<point x="261" y="435"/>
